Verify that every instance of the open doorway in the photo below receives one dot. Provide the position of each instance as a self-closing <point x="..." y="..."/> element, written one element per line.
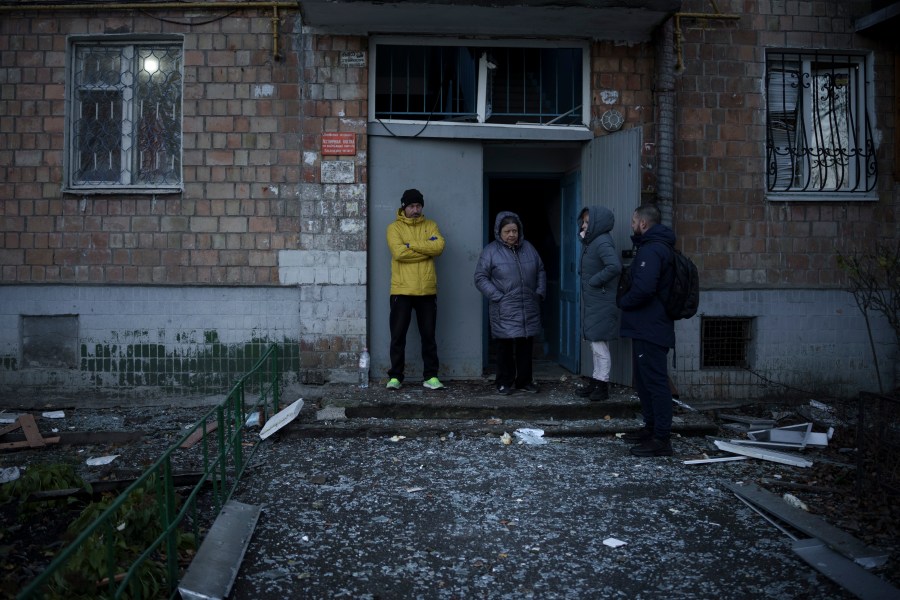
<point x="537" y="201"/>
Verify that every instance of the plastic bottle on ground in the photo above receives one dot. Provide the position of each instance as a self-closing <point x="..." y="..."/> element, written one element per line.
<point x="364" y="368"/>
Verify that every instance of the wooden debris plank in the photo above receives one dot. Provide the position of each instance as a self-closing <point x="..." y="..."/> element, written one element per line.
<point x="198" y="434"/>
<point x="33" y="437"/>
<point x="11" y="427"/>
<point x="32" y="433"/>
<point x="26" y="444"/>
<point x="75" y="438"/>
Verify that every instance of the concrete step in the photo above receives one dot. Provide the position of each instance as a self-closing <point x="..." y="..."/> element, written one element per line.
<point x="474" y="408"/>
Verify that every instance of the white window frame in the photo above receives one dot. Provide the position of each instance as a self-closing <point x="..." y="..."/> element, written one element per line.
<point x="125" y="184"/>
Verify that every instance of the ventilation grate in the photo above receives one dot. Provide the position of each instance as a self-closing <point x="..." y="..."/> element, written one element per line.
<point x="724" y="342"/>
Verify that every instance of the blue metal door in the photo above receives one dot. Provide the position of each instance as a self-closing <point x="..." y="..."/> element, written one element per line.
<point x="569" y="298"/>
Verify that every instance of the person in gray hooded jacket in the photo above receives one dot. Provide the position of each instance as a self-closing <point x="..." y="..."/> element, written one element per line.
<point x="600" y="269"/>
<point x="510" y="274"/>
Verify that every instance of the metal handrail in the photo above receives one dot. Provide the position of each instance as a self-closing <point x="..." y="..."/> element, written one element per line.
<point x="223" y="458"/>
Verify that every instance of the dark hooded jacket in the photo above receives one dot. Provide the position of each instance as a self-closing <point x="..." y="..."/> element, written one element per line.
<point x="514" y="280"/>
<point x="600" y="268"/>
<point x="643" y="314"/>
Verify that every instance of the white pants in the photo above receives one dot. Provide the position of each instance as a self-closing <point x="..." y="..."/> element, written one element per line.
<point x="602" y="360"/>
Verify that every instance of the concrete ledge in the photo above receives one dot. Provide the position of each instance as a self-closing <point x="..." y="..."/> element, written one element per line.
<point x="213" y="570"/>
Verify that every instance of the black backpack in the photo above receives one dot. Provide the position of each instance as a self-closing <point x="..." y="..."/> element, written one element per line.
<point x="684" y="293"/>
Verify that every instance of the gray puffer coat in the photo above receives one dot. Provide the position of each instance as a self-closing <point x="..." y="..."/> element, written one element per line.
<point x="514" y="280"/>
<point x="600" y="269"/>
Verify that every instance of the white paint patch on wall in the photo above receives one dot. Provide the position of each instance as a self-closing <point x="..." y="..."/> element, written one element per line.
<point x="609" y="96"/>
<point x="266" y="90"/>
<point x="338" y="171"/>
<point x="353" y="225"/>
<point x="322" y="267"/>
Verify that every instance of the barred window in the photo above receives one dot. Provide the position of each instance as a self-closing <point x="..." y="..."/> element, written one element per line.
<point x="125" y="116"/>
<point x="818" y="129"/>
<point x="511" y="85"/>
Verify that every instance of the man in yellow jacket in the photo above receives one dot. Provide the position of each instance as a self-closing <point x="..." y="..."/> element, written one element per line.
<point x="414" y="242"/>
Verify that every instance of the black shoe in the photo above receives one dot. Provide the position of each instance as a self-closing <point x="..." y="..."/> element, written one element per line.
<point x="504" y="390"/>
<point x="586" y="390"/>
<point x="636" y="437"/>
<point x="531" y="388"/>
<point x="653" y="447"/>
<point x="600" y="393"/>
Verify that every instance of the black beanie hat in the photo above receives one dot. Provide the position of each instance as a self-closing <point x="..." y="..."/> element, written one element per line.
<point x="411" y="196"/>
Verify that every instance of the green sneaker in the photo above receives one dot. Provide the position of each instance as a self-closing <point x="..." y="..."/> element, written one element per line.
<point x="393" y="384"/>
<point x="433" y="384"/>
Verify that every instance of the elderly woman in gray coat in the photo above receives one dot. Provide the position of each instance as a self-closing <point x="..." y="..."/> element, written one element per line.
<point x="600" y="269"/>
<point x="511" y="275"/>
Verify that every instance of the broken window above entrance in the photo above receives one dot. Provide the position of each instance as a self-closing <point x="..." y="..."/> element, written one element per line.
<point x="508" y="85"/>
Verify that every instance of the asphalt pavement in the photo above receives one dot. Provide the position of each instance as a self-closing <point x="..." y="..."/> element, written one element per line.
<point x="421" y="495"/>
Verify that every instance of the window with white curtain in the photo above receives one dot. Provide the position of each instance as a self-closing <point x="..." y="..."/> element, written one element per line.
<point x="818" y="126"/>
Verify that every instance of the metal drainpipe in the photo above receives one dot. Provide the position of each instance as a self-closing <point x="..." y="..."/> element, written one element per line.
<point x="665" y="149"/>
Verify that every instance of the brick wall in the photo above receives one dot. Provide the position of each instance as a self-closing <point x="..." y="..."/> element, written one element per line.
<point x="241" y="166"/>
<point x="330" y="266"/>
<point x="261" y="207"/>
<point x="738" y="237"/>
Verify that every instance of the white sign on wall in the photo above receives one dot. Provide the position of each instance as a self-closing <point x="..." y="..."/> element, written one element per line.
<point x="353" y="59"/>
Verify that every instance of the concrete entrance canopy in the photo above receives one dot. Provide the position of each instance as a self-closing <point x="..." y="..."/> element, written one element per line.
<point x="617" y="20"/>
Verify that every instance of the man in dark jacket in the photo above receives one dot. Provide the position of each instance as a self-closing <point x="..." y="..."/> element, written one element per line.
<point x="652" y="332"/>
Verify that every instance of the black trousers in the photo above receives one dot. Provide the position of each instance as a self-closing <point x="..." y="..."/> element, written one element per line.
<point x="402" y="308"/>
<point x="651" y="380"/>
<point x="514" y="361"/>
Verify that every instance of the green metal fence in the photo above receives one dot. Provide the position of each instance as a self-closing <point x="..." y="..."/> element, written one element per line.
<point x="139" y="545"/>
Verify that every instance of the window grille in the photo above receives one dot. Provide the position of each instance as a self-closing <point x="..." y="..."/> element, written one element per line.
<point x="509" y="85"/>
<point x="724" y="342"/>
<point x="125" y="123"/>
<point x="818" y="130"/>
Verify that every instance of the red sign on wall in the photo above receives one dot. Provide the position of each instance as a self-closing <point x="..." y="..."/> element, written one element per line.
<point x="339" y="143"/>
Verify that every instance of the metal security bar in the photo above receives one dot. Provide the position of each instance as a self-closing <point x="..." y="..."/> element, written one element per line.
<point x="724" y="342"/>
<point x="525" y="86"/>
<point x="434" y="83"/>
<point x="149" y="568"/>
<point x="535" y="85"/>
<point x="126" y="117"/>
<point x="818" y="128"/>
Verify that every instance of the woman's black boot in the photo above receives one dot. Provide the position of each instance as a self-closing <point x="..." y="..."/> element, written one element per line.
<point x="586" y="390"/>
<point x="601" y="392"/>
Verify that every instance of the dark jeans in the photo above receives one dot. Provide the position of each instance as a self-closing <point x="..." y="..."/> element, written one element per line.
<point x="426" y="319"/>
<point x="514" y="361"/>
<point x="651" y="381"/>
